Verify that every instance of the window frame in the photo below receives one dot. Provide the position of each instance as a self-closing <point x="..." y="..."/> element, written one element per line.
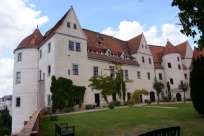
<point x="95" y="71"/>
<point x="112" y="73"/>
<point x="18" y="103"/>
<point x="48" y="70"/>
<point x="126" y="74"/>
<point x="128" y="96"/>
<point x="114" y="97"/>
<point x="78" y="48"/>
<point x="169" y="64"/>
<point x="48" y="100"/>
<point x="77" y="99"/>
<point x="143" y="60"/>
<point x="186" y="76"/>
<point x="49" y="48"/>
<point x="150" y="61"/>
<point x="19" y="56"/>
<point x="68" y="24"/>
<point x="179" y="66"/>
<point x="171" y="81"/>
<point x="75" y="26"/>
<point x="18" y="77"/>
<point x="40" y="54"/>
<point x="160" y="76"/>
<point x="40" y="74"/>
<point x="75" y="69"/>
<point x="178" y="59"/>
<point x="138" y="75"/>
<point x="71" y="47"/>
<point x="148" y="76"/>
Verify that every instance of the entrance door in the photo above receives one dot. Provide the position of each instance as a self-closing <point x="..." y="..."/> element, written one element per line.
<point x="97" y="100"/>
<point x="152" y="96"/>
<point x="178" y="97"/>
<point x="140" y="98"/>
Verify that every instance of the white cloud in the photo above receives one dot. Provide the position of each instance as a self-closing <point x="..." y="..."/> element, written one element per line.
<point x="6" y="74"/>
<point x="32" y="5"/>
<point x="128" y="30"/>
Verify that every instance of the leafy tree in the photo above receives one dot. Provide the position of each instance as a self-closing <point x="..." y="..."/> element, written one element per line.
<point x="197" y="84"/>
<point x="184" y="87"/>
<point x="136" y="95"/>
<point x="5" y="122"/>
<point x="158" y="86"/>
<point x="169" y="91"/>
<point x="191" y="18"/>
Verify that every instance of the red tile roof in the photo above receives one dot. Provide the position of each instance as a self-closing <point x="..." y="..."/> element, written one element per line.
<point x="197" y="53"/>
<point x="182" y="48"/>
<point x="156" y="52"/>
<point x="169" y="48"/>
<point x="113" y="59"/>
<point x="32" y="40"/>
<point x="134" y="44"/>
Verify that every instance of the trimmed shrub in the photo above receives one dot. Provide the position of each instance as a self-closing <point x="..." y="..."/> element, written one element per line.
<point x="111" y="105"/>
<point x="117" y="103"/>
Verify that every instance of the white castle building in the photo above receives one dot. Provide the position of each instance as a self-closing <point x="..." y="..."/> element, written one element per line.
<point x="69" y="51"/>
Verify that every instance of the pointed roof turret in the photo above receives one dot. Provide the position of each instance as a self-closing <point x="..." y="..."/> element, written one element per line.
<point x="182" y="48"/>
<point x="169" y="48"/>
<point x="32" y="40"/>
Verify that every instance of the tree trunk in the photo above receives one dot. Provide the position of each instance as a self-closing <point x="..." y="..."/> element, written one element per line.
<point x="157" y="98"/>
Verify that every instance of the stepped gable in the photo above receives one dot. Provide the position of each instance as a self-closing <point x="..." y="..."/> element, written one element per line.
<point x="157" y="54"/>
<point x="32" y="40"/>
<point x="182" y="48"/>
<point x="169" y="48"/>
<point x="134" y="44"/>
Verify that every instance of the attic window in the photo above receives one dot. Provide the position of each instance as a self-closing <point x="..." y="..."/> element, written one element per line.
<point x="75" y="27"/>
<point x="100" y="43"/>
<point x="123" y="56"/>
<point x="68" y="24"/>
<point x="108" y="54"/>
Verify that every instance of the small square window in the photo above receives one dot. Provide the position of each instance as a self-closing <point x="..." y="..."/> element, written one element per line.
<point x="143" y="60"/>
<point x="171" y="81"/>
<point x="19" y="56"/>
<point x="71" y="45"/>
<point x="150" y="62"/>
<point x="75" y="70"/>
<point x="78" y="47"/>
<point x="169" y="65"/>
<point x="75" y="26"/>
<point x="178" y="59"/>
<point x="179" y="67"/>
<point x="160" y="76"/>
<point x="49" y="70"/>
<point x="49" y="47"/>
<point x="18" y="102"/>
<point x="138" y="75"/>
<point x="18" y="77"/>
<point x="68" y="24"/>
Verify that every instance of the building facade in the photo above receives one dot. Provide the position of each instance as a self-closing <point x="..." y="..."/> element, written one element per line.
<point x="69" y="51"/>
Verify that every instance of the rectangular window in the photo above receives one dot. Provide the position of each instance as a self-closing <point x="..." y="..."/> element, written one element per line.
<point x="169" y="65"/>
<point x="112" y="73"/>
<point x="18" y="102"/>
<point x="128" y="96"/>
<point x="95" y="71"/>
<point x="77" y="96"/>
<point x="181" y="82"/>
<point x="185" y="76"/>
<point x="143" y="60"/>
<point x="78" y="48"/>
<point x="160" y="76"/>
<point x="75" y="26"/>
<point x="19" y="56"/>
<point x="68" y="72"/>
<point x="150" y="62"/>
<point x="178" y="59"/>
<point x="49" y="47"/>
<point x="75" y="70"/>
<point x="71" y="45"/>
<point x="68" y="24"/>
<point x="171" y="81"/>
<point x="148" y="75"/>
<point x="18" y="77"/>
<point x="126" y="75"/>
<point x="48" y="100"/>
<point x="40" y="75"/>
<point x="48" y="70"/>
<point x="179" y="67"/>
<point x="40" y="54"/>
<point x="138" y="75"/>
<point x="114" y="97"/>
<point x="109" y="54"/>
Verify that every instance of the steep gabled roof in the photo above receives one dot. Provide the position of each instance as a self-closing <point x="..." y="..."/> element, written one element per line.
<point x="134" y="44"/>
<point x="169" y="48"/>
<point x="182" y="48"/>
<point x="32" y="40"/>
<point x="156" y="52"/>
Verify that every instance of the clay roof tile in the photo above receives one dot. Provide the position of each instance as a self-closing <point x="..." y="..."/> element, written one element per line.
<point x="182" y="48"/>
<point x="169" y="48"/>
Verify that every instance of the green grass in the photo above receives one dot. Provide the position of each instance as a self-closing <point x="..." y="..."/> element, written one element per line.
<point x="179" y="105"/>
<point x="134" y="120"/>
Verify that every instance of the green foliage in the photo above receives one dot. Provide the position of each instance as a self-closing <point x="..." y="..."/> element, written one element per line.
<point x="184" y="87"/>
<point x="158" y="86"/>
<point x="64" y="92"/>
<point x="5" y="122"/>
<point x="130" y="102"/>
<point x="117" y="103"/>
<point x="111" y="105"/>
<point x="169" y="91"/>
<point x="197" y="85"/>
<point x="4" y="131"/>
<point x="136" y="95"/>
<point x="66" y="110"/>
<point x="166" y="99"/>
<point x="191" y="18"/>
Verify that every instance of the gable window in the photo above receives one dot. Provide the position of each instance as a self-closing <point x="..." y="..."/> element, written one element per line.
<point x="126" y="75"/>
<point x="138" y="75"/>
<point x="40" y="54"/>
<point x="114" y="97"/>
<point x="19" y="56"/>
<point x="160" y="76"/>
<point x="71" y="45"/>
<point x="185" y="76"/>
<point x="48" y="70"/>
<point x="49" y="47"/>
<point x="148" y="75"/>
<point x="179" y="67"/>
<point x="169" y="65"/>
<point x="18" y="77"/>
<point x="150" y="62"/>
<point x="75" y="70"/>
<point x="178" y="59"/>
<point x="77" y="96"/>
<point x="143" y="60"/>
<point x="48" y="100"/>
<point x="18" y="102"/>
<point x="112" y="73"/>
<point x="68" y="24"/>
<point x="128" y="96"/>
<point x="171" y="81"/>
<point x="95" y="71"/>
<point x="75" y="26"/>
<point x="78" y="48"/>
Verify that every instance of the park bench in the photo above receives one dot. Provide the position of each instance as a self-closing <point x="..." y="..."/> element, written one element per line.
<point x="165" y="131"/>
<point x="63" y="129"/>
<point x="53" y="117"/>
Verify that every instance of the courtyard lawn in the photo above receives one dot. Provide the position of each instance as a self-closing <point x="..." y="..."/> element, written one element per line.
<point x="179" y="105"/>
<point x="134" y="120"/>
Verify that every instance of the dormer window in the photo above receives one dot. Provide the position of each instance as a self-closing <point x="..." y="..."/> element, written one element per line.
<point x="108" y="53"/>
<point x="123" y="56"/>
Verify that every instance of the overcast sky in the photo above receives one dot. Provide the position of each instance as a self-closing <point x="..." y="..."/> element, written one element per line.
<point x="122" y="19"/>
